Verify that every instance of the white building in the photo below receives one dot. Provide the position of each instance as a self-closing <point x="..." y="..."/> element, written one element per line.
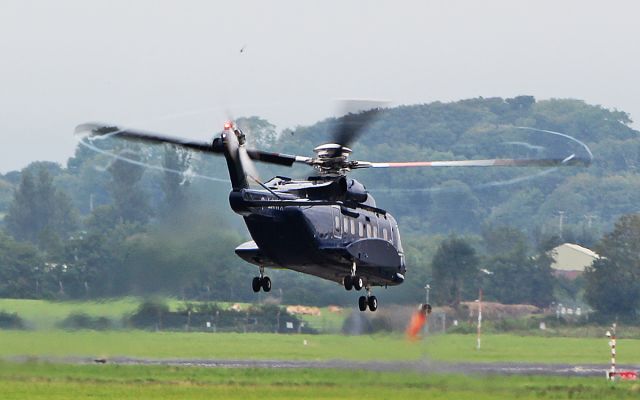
<point x="570" y="260"/>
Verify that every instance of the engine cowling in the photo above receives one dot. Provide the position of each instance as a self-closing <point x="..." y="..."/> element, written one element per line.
<point x="355" y="191"/>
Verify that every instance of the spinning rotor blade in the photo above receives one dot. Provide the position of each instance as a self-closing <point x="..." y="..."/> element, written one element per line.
<point x="497" y="162"/>
<point x="359" y="114"/>
<point x="352" y="125"/>
<point x="97" y="130"/>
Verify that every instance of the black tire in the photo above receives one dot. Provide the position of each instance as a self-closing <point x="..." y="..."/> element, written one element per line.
<point x="358" y="283"/>
<point x="347" y="282"/>
<point x="373" y="303"/>
<point x="266" y="284"/>
<point x="256" y="284"/>
<point x="362" y="303"/>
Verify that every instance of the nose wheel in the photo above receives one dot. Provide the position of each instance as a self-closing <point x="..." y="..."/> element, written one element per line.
<point x="368" y="301"/>
<point x="261" y="282"/>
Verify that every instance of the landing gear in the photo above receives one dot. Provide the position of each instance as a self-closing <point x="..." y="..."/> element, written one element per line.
<point x="373" y="303"/>
<point x="347" y="282"/>
<point x="358" y="282"/>
<point x="362" y="303"/>
<point x="261" y="282"/>
<point x="266" y="284"/>
<point x="256" y="284"/>
<point x="368" y="301"/>
<point x="353" y="281"/>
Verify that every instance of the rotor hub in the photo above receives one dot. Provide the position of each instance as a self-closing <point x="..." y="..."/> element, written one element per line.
<point x="331" y="151"/>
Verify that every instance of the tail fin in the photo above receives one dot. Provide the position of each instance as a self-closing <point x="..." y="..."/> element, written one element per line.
<point x="233" y="141"/>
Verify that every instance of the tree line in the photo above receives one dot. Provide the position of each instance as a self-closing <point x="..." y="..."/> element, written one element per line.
<point x="101" y="226"/>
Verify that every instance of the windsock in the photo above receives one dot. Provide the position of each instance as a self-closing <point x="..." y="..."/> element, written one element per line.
<point x="417" y="322"/>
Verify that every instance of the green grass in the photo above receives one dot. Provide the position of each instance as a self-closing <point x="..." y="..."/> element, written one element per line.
<point x="203" y="345"/>
<point x="326" y="322"/>
<point x="319" y="347"/>
<point x="42" y="314"/>
<point x="49" y="381"/>
<point x="505" y="347"/>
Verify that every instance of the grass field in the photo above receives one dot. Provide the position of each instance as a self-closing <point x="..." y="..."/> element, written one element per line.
<point x="42" y="314"/>
<point x="448" y="347"/>
<point x="47" y="381"/>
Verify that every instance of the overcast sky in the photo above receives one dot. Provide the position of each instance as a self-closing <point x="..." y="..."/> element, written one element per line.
<point x="176" y="66"/>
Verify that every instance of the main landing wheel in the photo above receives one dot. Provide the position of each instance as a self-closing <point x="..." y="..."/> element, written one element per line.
<point x="348" y="282"/>
<point x="256" y="284"/>
<point x="353" y="282"/>
<point x="266" y="284"/>
<point x="362" y="303"/>
<point x="263" y="283"/>
<point x="358" y="282"/>
<point x="373" y="303"/>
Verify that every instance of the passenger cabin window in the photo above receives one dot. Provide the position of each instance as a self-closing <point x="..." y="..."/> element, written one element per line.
<point x="369" y="232"/>
<point x="345" y="225"/>
<point x="375" y="231"/>
<point x="353" y="227"/>
<point x="336" y="221"/>
<point x="360" y="229"/>
<point x="385" y="234"/>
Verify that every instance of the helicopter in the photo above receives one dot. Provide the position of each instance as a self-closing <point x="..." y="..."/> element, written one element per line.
<point x="327" y="225"/>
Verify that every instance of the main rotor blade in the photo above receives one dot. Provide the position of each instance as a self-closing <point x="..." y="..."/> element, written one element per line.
<point x="351" y="126"/>
<point x="215" y="146"/>
<point x="102" y="130"/>
<point x="496" y="162"/>
<point x="359" y="114"/>
<point x="277" y="158"/>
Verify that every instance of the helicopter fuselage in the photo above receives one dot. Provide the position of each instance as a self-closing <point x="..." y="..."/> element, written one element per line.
<point x="330" y="237"/>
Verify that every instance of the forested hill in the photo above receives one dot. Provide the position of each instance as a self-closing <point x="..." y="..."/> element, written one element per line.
<point x="130" y="229"/>
<point x="464" y="199"/>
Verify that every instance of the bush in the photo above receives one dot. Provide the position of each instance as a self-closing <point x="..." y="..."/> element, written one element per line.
<point x="77" y="321"/>
<point x="149" y="315"/>
<point x="10" y="321"/>
<point x="210" y="316"/>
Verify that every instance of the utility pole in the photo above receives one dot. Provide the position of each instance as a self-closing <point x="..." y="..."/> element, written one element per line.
<point x="427" y="288"/>
<point x="480" y="280"/>
<point x="479" y="319"/>
<point x="589" y="218"/>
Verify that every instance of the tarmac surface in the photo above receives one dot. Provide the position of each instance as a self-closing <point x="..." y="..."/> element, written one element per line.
<point x="498" y="368"/>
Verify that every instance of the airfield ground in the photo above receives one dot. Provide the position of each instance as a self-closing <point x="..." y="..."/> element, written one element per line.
<point x="449" y="347"/>
<point x="49" y="381"/>
<point x="45" y="362"/>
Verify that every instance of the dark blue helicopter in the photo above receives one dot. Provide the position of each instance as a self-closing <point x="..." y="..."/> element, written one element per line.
<point x="327" y="225"/>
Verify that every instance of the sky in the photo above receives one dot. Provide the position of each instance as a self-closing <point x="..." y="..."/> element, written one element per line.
<point x="176" y="66"/>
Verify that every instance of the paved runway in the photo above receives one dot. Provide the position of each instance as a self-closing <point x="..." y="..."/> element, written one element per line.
<point x="416" y="366"/>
